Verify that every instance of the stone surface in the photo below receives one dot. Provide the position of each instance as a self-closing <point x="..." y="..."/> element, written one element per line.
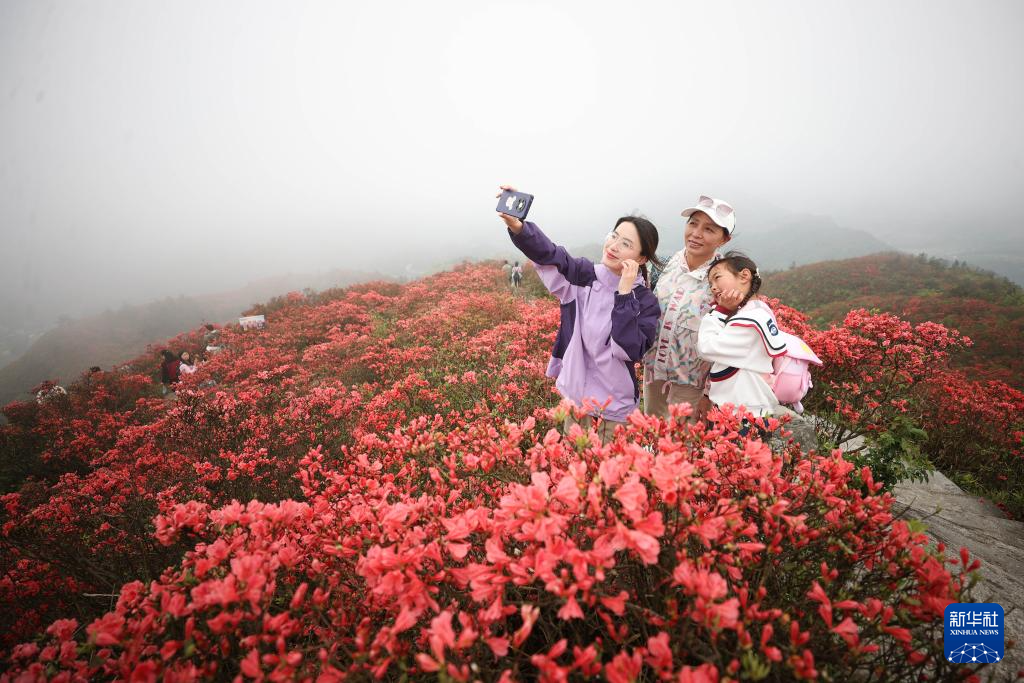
<point x="802" y="430"/>
<point x="963" y="521"/>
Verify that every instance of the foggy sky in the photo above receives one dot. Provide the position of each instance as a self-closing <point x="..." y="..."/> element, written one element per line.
<point x="162" y="148"/>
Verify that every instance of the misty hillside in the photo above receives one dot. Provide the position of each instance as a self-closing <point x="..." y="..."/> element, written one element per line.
<point x="785" y="240"/>
<point x="109" y="338"/>
<point x="796" y="241"/>
<point x="1009" y="263"/>
<point x="994" y="246"/>
<point x="805" y="240"/>
<point x="986" y="307"/>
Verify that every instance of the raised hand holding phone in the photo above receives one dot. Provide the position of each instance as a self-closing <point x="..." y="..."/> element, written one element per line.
<point x="513" y="207"/>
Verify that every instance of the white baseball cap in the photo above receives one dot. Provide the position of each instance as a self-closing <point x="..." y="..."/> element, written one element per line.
<point x="719" y="211"/>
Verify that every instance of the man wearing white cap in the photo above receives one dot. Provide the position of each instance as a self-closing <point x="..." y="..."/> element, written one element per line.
<point x="673" y="371"/>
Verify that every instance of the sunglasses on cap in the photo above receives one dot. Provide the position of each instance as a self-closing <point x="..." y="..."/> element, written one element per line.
<point x="722" y="209"/>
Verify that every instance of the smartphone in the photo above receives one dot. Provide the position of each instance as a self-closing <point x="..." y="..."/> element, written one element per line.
<point x="515" y="204"/>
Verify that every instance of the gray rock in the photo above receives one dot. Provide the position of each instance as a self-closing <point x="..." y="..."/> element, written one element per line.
<point x="802" y="430"/>
<point x="963" y="521"/>
<point x="960" y="520"/>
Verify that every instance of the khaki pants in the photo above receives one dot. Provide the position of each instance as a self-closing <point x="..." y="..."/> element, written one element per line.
<point x="656" y="402"/>
<point x="605" y="432"/>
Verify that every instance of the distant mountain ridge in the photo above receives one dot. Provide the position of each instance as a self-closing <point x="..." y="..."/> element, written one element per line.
<point x="806" y="240"/>
<point x="797" y="241"/>
<point x="800" y="240"/>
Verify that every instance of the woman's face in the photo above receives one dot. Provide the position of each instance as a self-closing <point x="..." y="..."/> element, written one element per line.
<point x="621" y="244"/>
<point x="187" y="357"/>
<point x="703" y="236"/>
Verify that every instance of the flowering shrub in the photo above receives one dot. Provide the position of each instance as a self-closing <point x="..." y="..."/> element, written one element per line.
<point x="507" y="550"/>
<point x="887" y="380"/>
<point x="976" y="432"/>
<point x="85" y="476"/>
<point x="867" y="393"/>
<point x="874" y="366"/>
<point x="372" y="486"/>
<point x="58" y="526"/>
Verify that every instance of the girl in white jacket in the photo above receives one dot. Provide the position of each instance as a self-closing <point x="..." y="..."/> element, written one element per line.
<point x="740" y="337"/>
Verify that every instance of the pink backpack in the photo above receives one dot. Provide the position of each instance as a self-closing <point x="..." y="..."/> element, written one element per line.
<point x="791" y="372"/>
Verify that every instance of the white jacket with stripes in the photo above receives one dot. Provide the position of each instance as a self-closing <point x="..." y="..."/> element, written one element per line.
<point x="741" y="352"/>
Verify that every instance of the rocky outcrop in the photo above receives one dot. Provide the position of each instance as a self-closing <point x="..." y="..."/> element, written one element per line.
<point x="963" y="521"/>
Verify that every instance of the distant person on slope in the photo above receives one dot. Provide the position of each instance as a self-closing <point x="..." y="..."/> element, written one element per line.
<point x="673" y="370"/>
<point x="188" y="365"/>
<point x="740" y="337"/>
<point x="517" y="275"/>
<point x="170" y="371"/>
<point x="609" y="316"/>
<point x="50" y="391"/>
<point x="506" y="268"/>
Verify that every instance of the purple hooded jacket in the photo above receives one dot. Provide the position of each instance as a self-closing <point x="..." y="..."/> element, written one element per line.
<point x="602" y="333"/>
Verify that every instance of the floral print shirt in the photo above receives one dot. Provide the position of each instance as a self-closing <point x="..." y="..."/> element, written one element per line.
<point x="685" y="297"/>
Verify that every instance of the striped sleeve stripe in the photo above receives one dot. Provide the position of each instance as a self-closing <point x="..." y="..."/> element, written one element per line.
<point x="773" y="350"/>
<point x="722" y="375"/>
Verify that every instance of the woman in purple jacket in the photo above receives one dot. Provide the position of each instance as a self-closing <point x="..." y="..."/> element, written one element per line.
<point x="609" y="315"/>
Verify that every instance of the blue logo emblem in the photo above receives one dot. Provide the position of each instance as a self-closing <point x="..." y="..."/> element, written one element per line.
<point x="974" y="633"/>
<point x="772" y="328"/>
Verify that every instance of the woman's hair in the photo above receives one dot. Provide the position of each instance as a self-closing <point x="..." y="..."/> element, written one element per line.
<point x="181" y="356"/>
<point x="168" y="355"/>
<point x="737" y="262"/>
<point x="648" y="242"/>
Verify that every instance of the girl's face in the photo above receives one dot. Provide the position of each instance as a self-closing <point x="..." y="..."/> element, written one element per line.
<point x="703" y="236"/>
<point x="621" y="244"/>
<point x="724" y="280"/>
<point x="187" y="357"/>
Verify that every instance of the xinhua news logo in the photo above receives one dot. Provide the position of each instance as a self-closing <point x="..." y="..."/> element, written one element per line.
<point x="974" y="633"/>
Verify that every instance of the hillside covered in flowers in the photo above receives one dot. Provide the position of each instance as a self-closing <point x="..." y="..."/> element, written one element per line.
<point x="986" y="307"/>
<point x="378" y="485"/>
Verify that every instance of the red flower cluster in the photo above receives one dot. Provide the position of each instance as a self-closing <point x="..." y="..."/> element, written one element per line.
<point x="414" y="510"/>
<point x="508" y="550"/>
<point x="879" y="369"/>
<point x="977" y="428"/>
<point x="90" y="470"/>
